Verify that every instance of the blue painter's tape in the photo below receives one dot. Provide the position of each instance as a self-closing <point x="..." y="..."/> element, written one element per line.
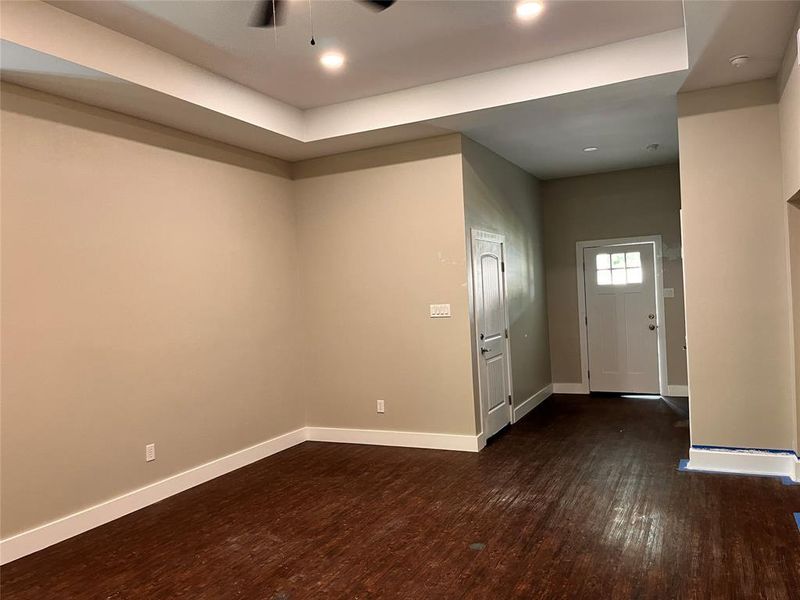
<point x="683" y="465"/>
<point x="797" y="519"/>
<point x="735" y="449"/>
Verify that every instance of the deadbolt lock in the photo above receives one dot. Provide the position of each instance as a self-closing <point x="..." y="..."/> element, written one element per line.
<point x="651" y="316"/>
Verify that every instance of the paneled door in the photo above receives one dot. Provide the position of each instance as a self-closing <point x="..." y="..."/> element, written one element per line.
<point x="621" y="318"/>
<point x="491" y="327"/>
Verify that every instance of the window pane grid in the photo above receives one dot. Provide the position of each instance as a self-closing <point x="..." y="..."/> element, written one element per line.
<point x="619" y="268"/>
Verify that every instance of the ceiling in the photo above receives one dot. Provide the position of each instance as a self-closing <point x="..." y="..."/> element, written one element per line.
<point x="599" y="73"/>
<point x="410" y="44"/>
<point x="621" y="119"/>
<point x="53" y="75"/>
<point x="761" y="29"/>
<point x="547" y="137"/>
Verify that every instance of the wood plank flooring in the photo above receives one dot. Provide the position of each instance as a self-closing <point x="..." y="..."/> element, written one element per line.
<point x="581" y="499"/>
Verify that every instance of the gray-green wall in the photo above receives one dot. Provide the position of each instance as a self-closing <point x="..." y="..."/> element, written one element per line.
<point x="628" y="203"/>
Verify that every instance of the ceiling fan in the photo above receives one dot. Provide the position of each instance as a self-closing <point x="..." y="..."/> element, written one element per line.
<point x="272" y="13"/>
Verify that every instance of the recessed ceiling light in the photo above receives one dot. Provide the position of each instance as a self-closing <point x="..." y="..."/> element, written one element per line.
<point x="590" y="149"/>
<point x="332" y="60"/>
<point x="529" y="9"/>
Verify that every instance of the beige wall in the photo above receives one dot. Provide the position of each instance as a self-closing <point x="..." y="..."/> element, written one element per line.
<point x="502" y="198"/>
<point x="149" y="295"/>
<point x="630" y="203"/>
<point x="789" y="115"/>
<point x="159" y="287"/>
<point x="793" y="215"/>
<point x="381" y="235"/>
<point x="789" y="119"/>
<point x="737" y="300"/>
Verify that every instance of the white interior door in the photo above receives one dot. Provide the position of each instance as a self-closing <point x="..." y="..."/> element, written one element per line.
<point x="621" y="318"/>
<point x="490" y="318"/>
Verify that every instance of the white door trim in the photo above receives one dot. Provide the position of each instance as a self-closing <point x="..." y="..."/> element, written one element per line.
<point x="662" y="330"/>
<point x="479" y="234"/>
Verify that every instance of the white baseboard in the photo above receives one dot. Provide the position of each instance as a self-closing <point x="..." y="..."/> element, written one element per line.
<point x="677" y="390"/>
<point x="744" y="462"/>
<point x="528" y="405"/>
<point x="38" y="538"/>
<point x="56" y="531"/>
<point x="407" y="439"/>
<point x="570" y="388"/>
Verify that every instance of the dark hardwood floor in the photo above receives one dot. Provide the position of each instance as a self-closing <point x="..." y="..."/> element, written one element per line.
<point x="581" y="499"/>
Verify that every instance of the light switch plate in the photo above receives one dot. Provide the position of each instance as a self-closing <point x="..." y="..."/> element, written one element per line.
<point x="669" y="292"/>
<point x="440" y="311"/>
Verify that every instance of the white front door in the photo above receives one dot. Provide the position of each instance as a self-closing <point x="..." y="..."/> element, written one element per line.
<point x="490" y="318"/>
<point x="621" y="318"/>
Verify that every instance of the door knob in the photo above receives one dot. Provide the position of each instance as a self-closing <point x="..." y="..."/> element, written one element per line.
<point x="651" y="327"/>
<point x="484" y="350"/>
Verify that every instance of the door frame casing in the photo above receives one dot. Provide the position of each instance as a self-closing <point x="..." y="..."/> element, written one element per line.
<point x="660" y="315"/>
<point x="475" y="235"/>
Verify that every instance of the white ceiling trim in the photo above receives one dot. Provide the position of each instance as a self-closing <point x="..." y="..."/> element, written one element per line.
<point x="637" y="58"/>
<point x="46" y="29"/>
<point x="415" y="43"/>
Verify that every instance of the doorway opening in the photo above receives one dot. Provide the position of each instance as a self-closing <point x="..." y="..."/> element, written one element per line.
<point x="621" y="315"/>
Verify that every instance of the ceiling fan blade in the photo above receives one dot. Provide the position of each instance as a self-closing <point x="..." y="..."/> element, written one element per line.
<point x="378" y="4"/>
<point x="268" y="13"/>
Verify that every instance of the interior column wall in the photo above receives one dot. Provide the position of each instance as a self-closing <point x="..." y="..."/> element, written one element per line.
<point x="793" y="225"/>
<point x="789" y="118"/>
<point x="737" y="297"/>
